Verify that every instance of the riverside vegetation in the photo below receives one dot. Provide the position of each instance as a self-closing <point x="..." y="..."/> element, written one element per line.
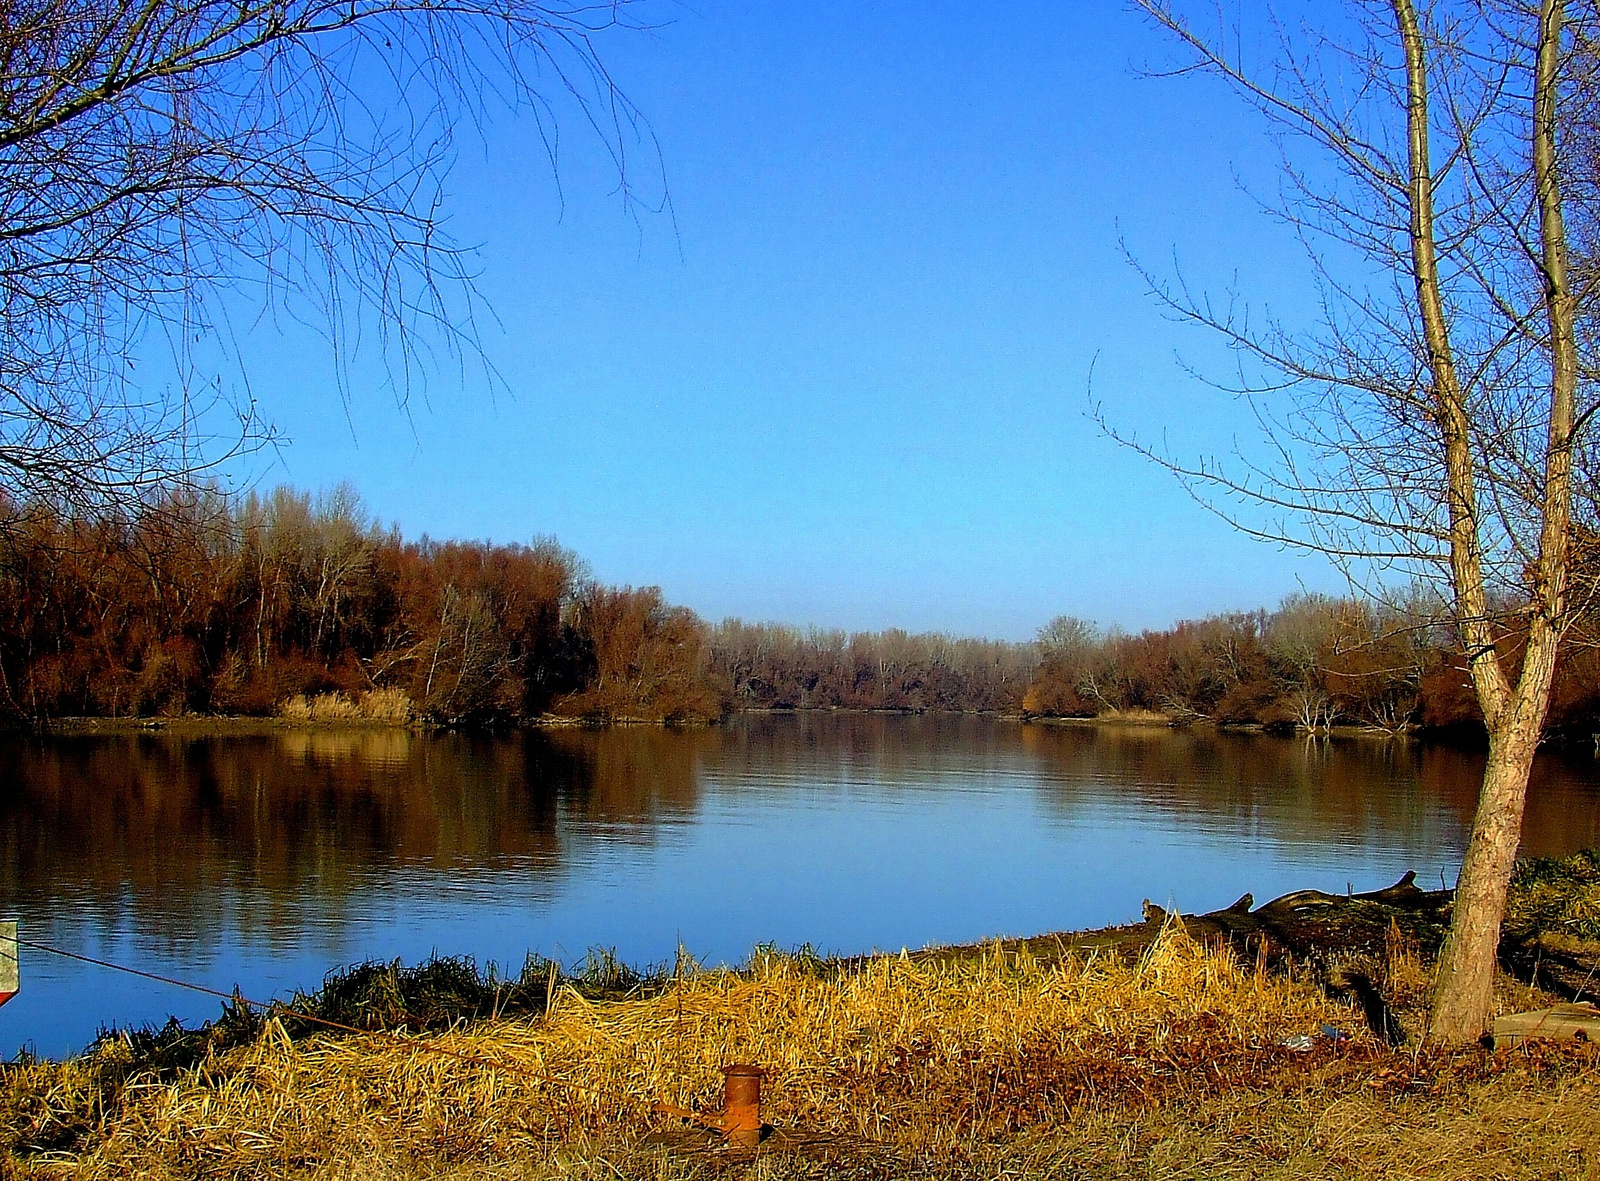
<point x="1179" y="1061"/>
<point x="302" y="606"/>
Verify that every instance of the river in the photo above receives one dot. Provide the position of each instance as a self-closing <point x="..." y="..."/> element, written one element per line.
<point x="263" y="862"/>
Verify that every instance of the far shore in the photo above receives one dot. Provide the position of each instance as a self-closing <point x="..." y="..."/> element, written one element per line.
<point x="245" y="726"/>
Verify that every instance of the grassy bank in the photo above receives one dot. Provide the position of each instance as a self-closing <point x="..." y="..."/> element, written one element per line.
<point x="993" y="1064"/>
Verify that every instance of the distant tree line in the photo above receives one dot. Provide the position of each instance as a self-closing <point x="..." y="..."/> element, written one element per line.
<point x="770" y="666"/>
<point x="1316" y="662"/>
<point x="288" y="603"/>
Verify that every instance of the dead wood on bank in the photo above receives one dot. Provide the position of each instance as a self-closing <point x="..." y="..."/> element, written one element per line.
<point x="1348" y="943"/>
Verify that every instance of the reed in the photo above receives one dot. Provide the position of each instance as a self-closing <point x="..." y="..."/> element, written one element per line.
<point x="1556" y="896"/>
<point x="919" y="1056"/>
<point x="998" y="1064"/>
<point x="392" y="706"/>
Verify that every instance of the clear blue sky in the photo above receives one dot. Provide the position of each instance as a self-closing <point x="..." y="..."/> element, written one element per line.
<point x="848" y="383"/>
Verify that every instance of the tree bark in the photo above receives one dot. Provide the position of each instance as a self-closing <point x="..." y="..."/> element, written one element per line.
<point x="1463" y="1005"/>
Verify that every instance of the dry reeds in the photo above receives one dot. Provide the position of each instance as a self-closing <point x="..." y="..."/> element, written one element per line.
<point x="1558" y="896"/>
<point x="393" y="706"/>
<point x="998" y="1064"/>
<point x="920" y="1056"/>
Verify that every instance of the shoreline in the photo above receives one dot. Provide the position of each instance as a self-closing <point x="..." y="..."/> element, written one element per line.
<point x="251" y="725"/>
<point x="1307" y="936"/>
<point x="1174" y="1058"/>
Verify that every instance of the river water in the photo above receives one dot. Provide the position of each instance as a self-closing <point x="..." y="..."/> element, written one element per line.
<point x="264" y="862"/>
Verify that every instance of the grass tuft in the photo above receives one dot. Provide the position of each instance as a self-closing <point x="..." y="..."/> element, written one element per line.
<point x="1555" y="895"/>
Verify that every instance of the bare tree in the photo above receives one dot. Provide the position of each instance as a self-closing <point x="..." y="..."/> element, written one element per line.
<point x="1431" y="422"/>
<point x="157" y="156"/>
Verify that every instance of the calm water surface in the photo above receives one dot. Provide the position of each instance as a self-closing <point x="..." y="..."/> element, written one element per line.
<point x="264" y="862"/>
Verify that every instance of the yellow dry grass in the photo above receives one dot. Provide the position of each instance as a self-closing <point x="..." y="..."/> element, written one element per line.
<point x="1513" y="1128"/>
<point x="393" y="706"/>
<point x="1134" y="717"/>
<point x="874" y="1054"/>
<point x="996" y="1066"/>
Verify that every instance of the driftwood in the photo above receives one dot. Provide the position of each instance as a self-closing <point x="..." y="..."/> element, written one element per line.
<point x="1325" y="929"/>
<point x="1307" y="926"/>
<point x="1342" y="941"/>
<point x="1339" y="940"/>
<point x="1311" y="926"/>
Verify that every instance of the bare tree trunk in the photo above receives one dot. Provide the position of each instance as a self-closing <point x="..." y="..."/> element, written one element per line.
<point x="1464" y="1002"/>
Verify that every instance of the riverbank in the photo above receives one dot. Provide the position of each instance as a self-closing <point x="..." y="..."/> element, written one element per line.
<point x="1186" y="1064"/>
<point x="226" y="725"/>
<point x="1054" y="1057"/>
<point x="206" y="726"/>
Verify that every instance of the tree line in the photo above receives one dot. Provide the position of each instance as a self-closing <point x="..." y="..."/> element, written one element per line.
<point x="300" y="604"/>
<point x="211" y="604"/>
<point x="1315" y="662"/>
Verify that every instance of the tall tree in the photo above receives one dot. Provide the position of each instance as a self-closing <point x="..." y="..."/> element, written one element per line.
<point x="1433" y="421"/>
<point x="155" y="153"/>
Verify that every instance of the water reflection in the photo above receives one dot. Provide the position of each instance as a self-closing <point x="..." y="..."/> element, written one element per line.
<point x="263" y="861"/>
<point x="1318" y="790"/>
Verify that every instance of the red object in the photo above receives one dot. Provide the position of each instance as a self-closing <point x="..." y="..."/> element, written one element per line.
<point x="6" y="996"/>
<point x="741" y="1105"/>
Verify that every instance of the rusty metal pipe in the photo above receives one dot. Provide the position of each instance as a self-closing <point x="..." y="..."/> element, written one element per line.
<point x="741" y="1104"/>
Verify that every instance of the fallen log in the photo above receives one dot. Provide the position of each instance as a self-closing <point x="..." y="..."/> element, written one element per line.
<point x="1311" y="925"/>
<point x="1324" y="929"/>
<point x="1340" y="940"/>
<point x="1306" y="926"/>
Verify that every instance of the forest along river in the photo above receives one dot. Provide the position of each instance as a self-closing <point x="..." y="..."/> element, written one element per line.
<point x="266" y="861"/>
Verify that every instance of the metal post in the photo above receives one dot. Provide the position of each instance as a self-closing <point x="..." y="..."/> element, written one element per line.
<point x="741" y="1106"/>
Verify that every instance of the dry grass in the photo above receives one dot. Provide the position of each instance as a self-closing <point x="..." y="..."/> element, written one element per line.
<point x="392" y="706"/>
<point x="1134" y="717"/>
<point x="997" y="1066"/>
<point x="1558" y="896"/>
<point x="1526" y="1122"/>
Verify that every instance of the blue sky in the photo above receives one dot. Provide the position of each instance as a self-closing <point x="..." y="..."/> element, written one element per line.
<point x="847" y="382"/>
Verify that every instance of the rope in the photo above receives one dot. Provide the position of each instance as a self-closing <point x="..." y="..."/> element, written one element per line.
<point x="422" y="1043"/>
<point x="89" y="959"/>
